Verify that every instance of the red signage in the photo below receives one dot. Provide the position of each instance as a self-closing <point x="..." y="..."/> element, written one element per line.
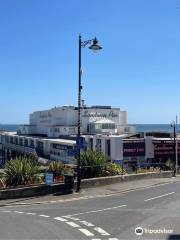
<point x="164" y="148"/>
<point x="133" y="148"/>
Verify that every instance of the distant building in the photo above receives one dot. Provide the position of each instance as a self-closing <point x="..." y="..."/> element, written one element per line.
<point x="51" y="134"/>
<point x="60" y="121"/>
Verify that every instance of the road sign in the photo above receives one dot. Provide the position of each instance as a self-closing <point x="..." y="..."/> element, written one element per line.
<point x="80" y="142"/>
<point x="49" y="178"/>
<point x="71" y="152"/>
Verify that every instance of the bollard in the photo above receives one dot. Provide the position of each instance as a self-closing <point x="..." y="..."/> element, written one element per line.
<point x="68" y="183"/>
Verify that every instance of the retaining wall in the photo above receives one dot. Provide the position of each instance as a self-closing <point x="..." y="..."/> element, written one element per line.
<point x="42" y="189"/>
<point x="95" y="182"/>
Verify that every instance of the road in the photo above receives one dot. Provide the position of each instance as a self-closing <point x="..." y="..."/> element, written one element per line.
<point x="155" y="209"/>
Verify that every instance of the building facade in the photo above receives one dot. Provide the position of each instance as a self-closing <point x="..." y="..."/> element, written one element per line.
<point x="51" y="135"/>
<point x="62" y="121"/>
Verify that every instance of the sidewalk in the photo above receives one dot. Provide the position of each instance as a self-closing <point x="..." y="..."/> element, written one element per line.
<point x="90" y="192"/>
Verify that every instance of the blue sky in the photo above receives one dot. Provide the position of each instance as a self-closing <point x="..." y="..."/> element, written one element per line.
<point x="137" y="70"/>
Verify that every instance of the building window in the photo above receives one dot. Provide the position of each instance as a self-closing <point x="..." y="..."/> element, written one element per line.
<point x="32" y="143"/>
<point x="91" y="143"/>
<point x="21" y="141"/>
<point x="98" y="145"/>
<point x="16" y="141"/>
<point x="26" y="143"/>
<point x="108" y="147"/>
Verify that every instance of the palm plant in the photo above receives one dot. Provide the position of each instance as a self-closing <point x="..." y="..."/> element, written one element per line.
<point x="57" y="168"/>
<point x="20" y="171"/>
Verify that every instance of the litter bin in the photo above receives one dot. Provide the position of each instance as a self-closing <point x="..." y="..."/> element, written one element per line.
<point x="68" y="183"/>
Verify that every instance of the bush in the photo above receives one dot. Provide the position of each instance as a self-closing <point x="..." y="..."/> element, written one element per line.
<point x="2" y="184"/>
<point x="112" y="169"/>
<point x="57" y="168"/>
<point x="170" y="164"/>
<point x="92" y="163"/>
<point x="21" y="171"/>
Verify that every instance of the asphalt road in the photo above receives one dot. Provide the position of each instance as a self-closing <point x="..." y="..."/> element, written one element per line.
<point x="156" y="210"/>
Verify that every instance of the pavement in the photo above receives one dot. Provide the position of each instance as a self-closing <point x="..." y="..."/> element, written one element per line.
<point x="144" y="209"/>
<point x="89" y="192"/>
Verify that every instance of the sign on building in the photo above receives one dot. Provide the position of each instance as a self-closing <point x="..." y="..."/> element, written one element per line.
<point x="133" y="148"/>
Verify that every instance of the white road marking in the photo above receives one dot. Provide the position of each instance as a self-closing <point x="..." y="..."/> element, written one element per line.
<point x="164" y="195"/>
<point x="113" y="239"/>
<point x="18" y="212"/>
<point x="6" y="211"/>
<point x="87" y="224"/>
<point x="72" y="224"/>
<point x="31" y="214"/>
<point x="95" y="211"/>
<point x="73" y="218"/>
<point x="101" y="231"/>
<point x="60" y="219"/>
<point x="86" y="232"/>
<point x="45" y="216"/>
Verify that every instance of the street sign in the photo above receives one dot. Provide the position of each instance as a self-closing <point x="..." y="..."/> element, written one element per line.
<point x="71" y="152"/>
<point x="49" y="178"/>
<point x="80" y="142"/>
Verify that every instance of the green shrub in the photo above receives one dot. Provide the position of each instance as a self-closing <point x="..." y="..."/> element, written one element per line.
<point x="21" y="171"/>
<point x="2" y="183"/>
<point x="170" y="164"/>
<point x="92" y="163"/>
<point x="57" y="168"/>
<point x="113" y="169"/>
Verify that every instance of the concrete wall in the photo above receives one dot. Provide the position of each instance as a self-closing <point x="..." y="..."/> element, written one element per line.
<point x="94" y="182"/>
<point x="85" y="183"/>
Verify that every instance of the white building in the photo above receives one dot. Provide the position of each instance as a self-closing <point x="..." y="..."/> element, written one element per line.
<point x="52" y="133"/>
<point x="60" y="121"/>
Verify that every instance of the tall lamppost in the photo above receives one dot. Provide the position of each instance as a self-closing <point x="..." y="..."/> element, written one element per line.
<point x="175" y="146"/>
<point x="95" y="47"/>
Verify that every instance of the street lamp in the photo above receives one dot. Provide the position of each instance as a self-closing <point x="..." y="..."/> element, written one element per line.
<point x="95" y="47"/>
<point x="175" y="147"/>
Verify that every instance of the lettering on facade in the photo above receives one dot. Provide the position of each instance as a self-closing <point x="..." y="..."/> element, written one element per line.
<point x="133" y="148"/>
<point x="102" y="115"/>
<point x="164" y="148"/>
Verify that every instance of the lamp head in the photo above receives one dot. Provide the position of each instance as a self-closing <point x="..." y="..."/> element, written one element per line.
<point x="172" y="123"/>
<point x="95" y="46"/>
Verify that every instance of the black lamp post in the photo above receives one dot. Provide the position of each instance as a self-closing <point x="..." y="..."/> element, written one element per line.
<point x="173" y="124"/>
<point x="95" y="47"/>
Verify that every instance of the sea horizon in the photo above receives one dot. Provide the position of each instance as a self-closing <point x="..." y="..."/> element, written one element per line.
<point x="139" y="127"/>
